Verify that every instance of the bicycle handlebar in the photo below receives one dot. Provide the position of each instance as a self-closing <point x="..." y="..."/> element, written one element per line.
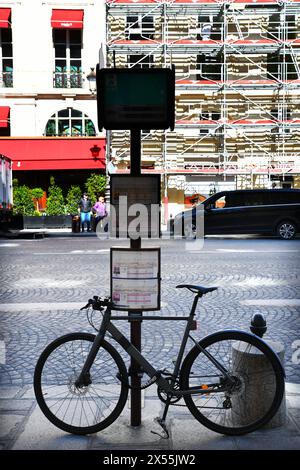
<point x="98" y="303"/>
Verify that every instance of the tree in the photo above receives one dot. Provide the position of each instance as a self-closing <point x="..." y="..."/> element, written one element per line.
<point x="72" y="199"/>
<point x="37" y="193"/>
<point x="95" y="185"/>
<point x="55" y="200"/>
<point x="22" y="197"/>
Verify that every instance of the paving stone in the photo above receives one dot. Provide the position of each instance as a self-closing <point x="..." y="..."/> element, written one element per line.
<point x="65" y="281"/>
<point x="40" y="434"/>
<point x="190" y="434"/>
<point x="9" y="392"/>
<point x="10" y="423"/>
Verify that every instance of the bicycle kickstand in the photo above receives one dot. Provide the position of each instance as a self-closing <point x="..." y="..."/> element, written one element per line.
<point x="162" y="423"/>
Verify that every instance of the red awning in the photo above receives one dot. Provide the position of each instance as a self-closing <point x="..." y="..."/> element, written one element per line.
<point x="4" y="17"/>
<point x="67" y="19"/>
<point x="4" y="113"/>
<point x="54" y="153"/>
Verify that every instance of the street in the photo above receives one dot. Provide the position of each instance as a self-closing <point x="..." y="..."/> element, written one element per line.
<point x="45" y="281"/>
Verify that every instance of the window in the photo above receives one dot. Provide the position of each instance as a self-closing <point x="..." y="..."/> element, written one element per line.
<point x="274" y="27"/>
<point x="210" y="67"/>
<point x="69" y="122"/>
<point x="281" y="113"/>
<point x="67" y="48"/>
<point x="274" y="66"/>
<point x="285" y="197"/>
<point x="291" y="27"/>
<point x="6" y="58"/>
<point x="257" y="198"/>
<point x="228" y="200"/>
<point x="140" y="27"/>
<point x="209" y="28"/>
<point x="140" y="61"/>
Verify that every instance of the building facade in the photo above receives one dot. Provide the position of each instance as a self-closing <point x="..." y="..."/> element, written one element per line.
<point x="237" y="66"/>
<point x="48" y="114"/>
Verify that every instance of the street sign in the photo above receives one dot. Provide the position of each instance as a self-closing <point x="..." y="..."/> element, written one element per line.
<point x="136" y="98"/>
<point x="135" y="206"/>
<point x="135" y="278"/>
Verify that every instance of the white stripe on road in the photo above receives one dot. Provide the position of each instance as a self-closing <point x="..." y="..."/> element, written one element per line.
<point x="41" y="306"/>
<point x="224" y="251"/>
<point x="272" y="302"/>
<point x="2" y="352"/>
<point x="74" y="252"/>
<point x="4" y="245"/>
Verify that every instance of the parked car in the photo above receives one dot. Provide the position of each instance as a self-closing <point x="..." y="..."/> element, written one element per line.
<point x="269" y="211"/>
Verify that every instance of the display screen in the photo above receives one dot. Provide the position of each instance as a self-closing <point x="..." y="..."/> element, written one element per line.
<point x="136" y="98"/>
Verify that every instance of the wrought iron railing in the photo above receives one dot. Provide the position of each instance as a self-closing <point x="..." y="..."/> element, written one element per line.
<point x="68" y="79"/>
<point x="6" y="79"/>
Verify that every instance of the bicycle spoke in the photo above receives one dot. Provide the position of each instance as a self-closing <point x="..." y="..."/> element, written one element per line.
<point x="227" y="408"/>
<point x="88" y="405"/>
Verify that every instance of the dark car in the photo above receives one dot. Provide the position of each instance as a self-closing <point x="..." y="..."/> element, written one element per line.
<point x="270" y="211"/>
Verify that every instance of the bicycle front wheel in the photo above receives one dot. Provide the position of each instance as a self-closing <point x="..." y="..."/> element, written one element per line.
<point x="251" y="396"/>
<point x="83" y="410"/>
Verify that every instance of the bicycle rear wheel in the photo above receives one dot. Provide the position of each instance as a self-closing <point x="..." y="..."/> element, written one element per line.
<point x="87" y="409"/>
<point x="244" y="404"/>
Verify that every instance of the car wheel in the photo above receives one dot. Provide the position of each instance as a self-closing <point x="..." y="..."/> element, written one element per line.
<point x="190" y="231"/>
<point x="286" y="230"/>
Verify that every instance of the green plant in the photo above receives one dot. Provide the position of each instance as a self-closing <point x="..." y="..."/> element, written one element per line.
<point x="55" y="201"/>
<point x="37" y="193"/>
<point x="72" y="199"/>
<point x="37" y="213"/>
<point x="22" y="197"/>
<point x="95" y="185"/>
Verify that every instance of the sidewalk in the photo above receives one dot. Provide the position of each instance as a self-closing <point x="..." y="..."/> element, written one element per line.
<point x="24" y="427"/>
<point x="56" y="232"/>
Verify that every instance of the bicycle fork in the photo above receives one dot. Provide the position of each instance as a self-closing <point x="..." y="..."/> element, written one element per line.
<point x="84" y="378"/>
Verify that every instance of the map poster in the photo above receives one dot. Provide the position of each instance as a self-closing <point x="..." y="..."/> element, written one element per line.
<point x="135" y="278"/>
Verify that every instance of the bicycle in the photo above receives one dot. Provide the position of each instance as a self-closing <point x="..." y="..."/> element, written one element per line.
<point x="81" y="382"/>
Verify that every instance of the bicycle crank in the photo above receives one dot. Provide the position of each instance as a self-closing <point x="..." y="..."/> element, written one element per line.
<point x="168" y="397"/>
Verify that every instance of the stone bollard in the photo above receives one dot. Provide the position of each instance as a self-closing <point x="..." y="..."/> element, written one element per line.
<point x="260" y="391"/>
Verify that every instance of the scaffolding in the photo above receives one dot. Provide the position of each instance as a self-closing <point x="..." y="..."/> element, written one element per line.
<point x="237" y="68"/>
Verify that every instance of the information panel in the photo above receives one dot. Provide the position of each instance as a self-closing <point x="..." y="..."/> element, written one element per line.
<point x="132" y="219"/>
<point x="135" y="278"/>
<point x="136" y="98"/>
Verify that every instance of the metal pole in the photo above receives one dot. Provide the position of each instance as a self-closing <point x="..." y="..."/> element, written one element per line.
<point x="135" y="325"/>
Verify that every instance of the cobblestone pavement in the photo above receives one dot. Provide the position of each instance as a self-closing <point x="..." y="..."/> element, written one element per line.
<point x="61" y="273"/>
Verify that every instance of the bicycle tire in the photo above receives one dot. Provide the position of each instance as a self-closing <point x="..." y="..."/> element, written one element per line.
<point x="201" y="410"/>
<point x="55" y="370"/>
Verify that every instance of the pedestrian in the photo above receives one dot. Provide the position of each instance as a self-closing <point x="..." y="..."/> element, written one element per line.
<point x="84" y="209"/>
<point x="100" y="209"/>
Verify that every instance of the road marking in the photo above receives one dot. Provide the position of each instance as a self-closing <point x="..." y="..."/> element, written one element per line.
<point x="224" y="251"/>
<point x="46" y="306"/>
<point x="41" y="306"/>
<point x="2" y="352"/>
<point x="74" y="252"/>
<point x="4" y="245"/>
<point x="272" y="302"/>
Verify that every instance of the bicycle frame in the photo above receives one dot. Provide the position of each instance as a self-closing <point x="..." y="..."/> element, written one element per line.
<point x="164" y="384"/>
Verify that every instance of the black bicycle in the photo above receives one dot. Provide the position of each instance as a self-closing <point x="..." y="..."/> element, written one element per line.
<point x="81" y="382"/>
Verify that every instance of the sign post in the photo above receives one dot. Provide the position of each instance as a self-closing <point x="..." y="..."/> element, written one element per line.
<point x="136" y="99"/>
<point x="135" y="324"/>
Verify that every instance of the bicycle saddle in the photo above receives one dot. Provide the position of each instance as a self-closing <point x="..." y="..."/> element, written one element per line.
<point x="197" y="289"/>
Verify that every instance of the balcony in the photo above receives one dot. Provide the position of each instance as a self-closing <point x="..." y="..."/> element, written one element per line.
<point x="68" y="79"/>
<point x="6" y="79"/>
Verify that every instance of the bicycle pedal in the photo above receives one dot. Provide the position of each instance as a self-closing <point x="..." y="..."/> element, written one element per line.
<point x="165" y="434"/>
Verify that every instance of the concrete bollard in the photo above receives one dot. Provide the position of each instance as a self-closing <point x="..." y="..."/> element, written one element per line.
<point x="253" y="399"/>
